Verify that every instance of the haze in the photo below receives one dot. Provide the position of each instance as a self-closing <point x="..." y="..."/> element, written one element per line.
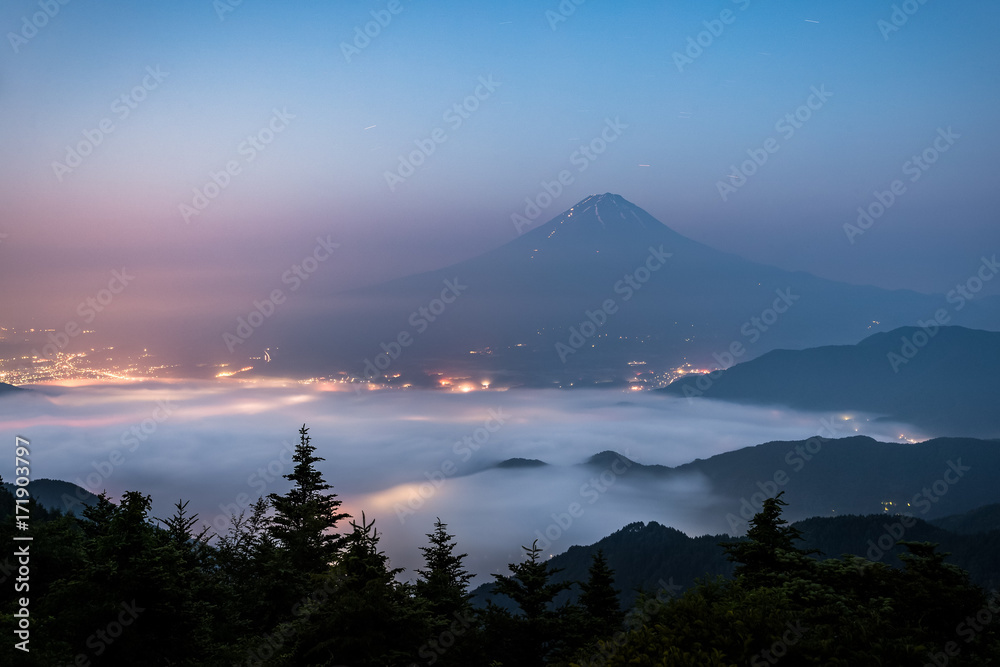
<point x="223" y="446"/>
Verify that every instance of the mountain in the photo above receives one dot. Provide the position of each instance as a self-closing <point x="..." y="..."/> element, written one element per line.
<point x="578" y="297"/>
<point x="819" y="477"/>
<point x="651" y="556"/>
<point x="979" y="520"/>
<point x="947" y="385"/>
<point x="9" y="388"/>
<point x="641" y="555"/>
<point x="54" y="494"/>
<point x="854" y="475"/>
<point x="520" y="463"/>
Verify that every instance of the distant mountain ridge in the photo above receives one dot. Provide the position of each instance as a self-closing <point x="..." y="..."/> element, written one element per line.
<point x="853" y="475"/>
<point x="54" y="494"/>
<point x="980" y="520"/>
<point x="652" y="557"/>
<point x="606" y="279"/>
<point x="950" y="384"/>
<point x="820" y="477"/>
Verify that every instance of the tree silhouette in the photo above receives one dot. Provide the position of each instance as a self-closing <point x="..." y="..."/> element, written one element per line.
<point x="305" y="514"/>
<point x="530" y="586"/>
<point x="600" y="598"/>
<point x="769" y="551"/>
<point x="444" y="581"/>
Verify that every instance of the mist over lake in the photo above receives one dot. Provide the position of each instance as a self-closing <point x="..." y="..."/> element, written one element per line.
<point x="406" y="457"/>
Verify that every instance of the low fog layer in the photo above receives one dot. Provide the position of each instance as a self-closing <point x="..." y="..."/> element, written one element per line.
<point x="406" y="457"/>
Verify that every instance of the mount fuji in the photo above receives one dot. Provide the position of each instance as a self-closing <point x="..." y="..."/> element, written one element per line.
<point x="579" y="297"/>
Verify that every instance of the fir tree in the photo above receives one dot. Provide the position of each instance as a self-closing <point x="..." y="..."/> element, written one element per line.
<point x="769" y="551"/>
<point x="444" y="581"/>
<point x="358" y="614"/>
<point x="600" y="598"/>
<point x="530" y="586"/>
<point x="305" y="514"/>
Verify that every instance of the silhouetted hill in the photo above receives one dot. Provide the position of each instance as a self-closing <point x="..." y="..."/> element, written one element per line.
<point x="855" y="475"/>
<point x="949" y="385"/>
<point x="822" y="477"/>
<point x="54" y="494"/>
<point x="9" y="388"/>
<point x="521" y="463"/>
<point x="652" y="556"/>
<point x="641" y="555"/>
<point x="979" y="520"/>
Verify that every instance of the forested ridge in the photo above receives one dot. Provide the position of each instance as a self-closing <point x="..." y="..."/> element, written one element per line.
<point x="296" y="581"/>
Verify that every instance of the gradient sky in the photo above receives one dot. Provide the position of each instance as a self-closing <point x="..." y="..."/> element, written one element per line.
<point x="324" y="173"/>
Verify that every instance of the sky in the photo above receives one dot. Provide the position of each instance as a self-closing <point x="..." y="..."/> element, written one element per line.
<point x="120" y="117"/>
<point x="222" y="447"/>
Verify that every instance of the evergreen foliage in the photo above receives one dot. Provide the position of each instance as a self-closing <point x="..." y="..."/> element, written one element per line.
<point x="111" y="587"/>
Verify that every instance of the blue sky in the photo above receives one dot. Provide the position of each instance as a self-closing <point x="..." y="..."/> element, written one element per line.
<point x="347" y="122"/>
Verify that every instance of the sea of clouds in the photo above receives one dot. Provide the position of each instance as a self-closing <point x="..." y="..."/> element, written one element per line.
<point x="404" y="457"/>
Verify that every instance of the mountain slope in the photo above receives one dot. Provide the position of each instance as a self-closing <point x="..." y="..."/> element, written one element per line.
<point x="949" y="385"/>
<point x="855" y="475"/>
<point x="651" y="556"/>
<point x="819" y="476"/>
<point x="980" y="520"/>
<point x="54" y="494"/>
<point x="669" y="298"/>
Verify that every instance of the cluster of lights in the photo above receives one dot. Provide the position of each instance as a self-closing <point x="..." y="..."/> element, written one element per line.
<point x="227" y="374"/>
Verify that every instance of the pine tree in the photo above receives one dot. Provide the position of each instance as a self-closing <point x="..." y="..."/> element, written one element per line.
<point x="358" y="613"/>
<point x="600" y="598"/>
<point x="251" y="570"/>
<point x="444" y="582"/>
<point x="180" y="527"/>
<point x="769" y="551"/>
<point x="531" y="588"/>
<point x="305" y="514"/>
<point x="442" y="587"/>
